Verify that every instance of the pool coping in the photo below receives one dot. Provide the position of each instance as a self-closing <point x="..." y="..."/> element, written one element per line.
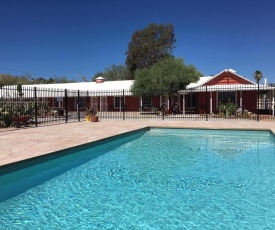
<point x="18" y="165"/>
<point x="28" y="162"/>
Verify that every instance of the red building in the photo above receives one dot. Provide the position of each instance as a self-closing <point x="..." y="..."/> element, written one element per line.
<point x="204" y="96"/>
<point x="207" y="94"/>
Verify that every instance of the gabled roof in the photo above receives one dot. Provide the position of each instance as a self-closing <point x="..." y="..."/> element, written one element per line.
<point x="228" y="77"/>
<point x="216" y="80"/>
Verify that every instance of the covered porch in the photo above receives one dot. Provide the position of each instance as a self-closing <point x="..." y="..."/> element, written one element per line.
<point x="257" y="99"/>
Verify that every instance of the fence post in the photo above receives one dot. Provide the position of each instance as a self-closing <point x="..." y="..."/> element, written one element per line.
<point x="66" y="105"/>
<point x="258" y="102"/>
<point x="273" y="102"/>
<point x="123" y="112"/>
<point x="35" y="107"/>
<point x="162" y="106"/>
<point x="206" y="105"/>
<point x="78" y="99"/>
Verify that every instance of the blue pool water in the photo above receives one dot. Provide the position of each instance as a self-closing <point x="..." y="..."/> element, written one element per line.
<point x="159" y="179"/>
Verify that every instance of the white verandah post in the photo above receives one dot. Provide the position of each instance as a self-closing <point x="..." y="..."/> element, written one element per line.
<point x="100" y="103"/>
<point x="241" y="99"/>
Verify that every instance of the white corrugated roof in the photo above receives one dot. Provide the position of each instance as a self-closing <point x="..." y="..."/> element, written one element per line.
<point x="119" y="85"/>
<point x="88" y="86"/>
<point x="107" y="85"/>
<point x="200" y="82"/>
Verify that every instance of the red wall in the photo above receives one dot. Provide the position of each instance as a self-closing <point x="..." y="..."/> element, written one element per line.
<point x="227" y="78"/>
<point x="202" y="102"/>
<point x="250" y="101"/>
<point x="132" y="103"/>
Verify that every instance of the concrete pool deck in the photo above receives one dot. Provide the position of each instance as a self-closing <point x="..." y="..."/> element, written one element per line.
<point x="24" y="143"/>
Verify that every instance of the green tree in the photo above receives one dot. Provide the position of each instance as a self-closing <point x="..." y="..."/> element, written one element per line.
<point x="170" y="75"/>
<point x="257" y="76"/>
<point x="150" y="45"/>
<point x="8" y="79"/>
<point x="62" y="79"/>
<point x="41" y="80"/>
<point x="114" y="73"/>
<point x="51" y="80"/>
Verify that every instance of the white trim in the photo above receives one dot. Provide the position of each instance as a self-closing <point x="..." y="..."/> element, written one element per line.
<point x="241" y="99"/>
<point x="224" y="88"/>
<point x="120" y="104"/>
<point x="183" y="104"/>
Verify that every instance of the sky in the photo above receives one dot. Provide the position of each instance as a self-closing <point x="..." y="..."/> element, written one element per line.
<point x="47" y="38"/>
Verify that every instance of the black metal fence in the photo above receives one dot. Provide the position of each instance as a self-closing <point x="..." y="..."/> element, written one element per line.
<point x="32" y="106"/>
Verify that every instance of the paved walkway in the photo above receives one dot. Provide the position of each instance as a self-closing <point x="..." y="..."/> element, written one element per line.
<point x="26" y="143"/>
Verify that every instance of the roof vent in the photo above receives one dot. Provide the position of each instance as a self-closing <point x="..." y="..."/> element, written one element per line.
<point x="99" y="79"/>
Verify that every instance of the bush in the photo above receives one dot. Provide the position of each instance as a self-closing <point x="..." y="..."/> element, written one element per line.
<point x="228" y="108"/>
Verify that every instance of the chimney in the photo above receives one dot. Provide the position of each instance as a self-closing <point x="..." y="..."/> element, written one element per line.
<point x="99" y="79"/>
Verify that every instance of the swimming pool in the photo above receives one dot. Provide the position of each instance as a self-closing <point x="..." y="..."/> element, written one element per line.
<point x="156" y="179"/>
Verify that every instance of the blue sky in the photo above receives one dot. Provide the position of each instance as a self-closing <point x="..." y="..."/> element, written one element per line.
<point x="79" y="38"/>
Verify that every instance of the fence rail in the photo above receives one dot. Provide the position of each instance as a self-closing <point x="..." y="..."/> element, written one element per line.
<point x="33" y="106"/>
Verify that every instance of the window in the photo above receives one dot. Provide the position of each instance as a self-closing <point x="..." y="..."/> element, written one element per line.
<point x="146" y="101"/>
<point x="224" y="97"/>
<point x="191" y="100"/>
<point x="81" y="102"/>
<point x="58" y="102"/>
<point x="119" y="102"/>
